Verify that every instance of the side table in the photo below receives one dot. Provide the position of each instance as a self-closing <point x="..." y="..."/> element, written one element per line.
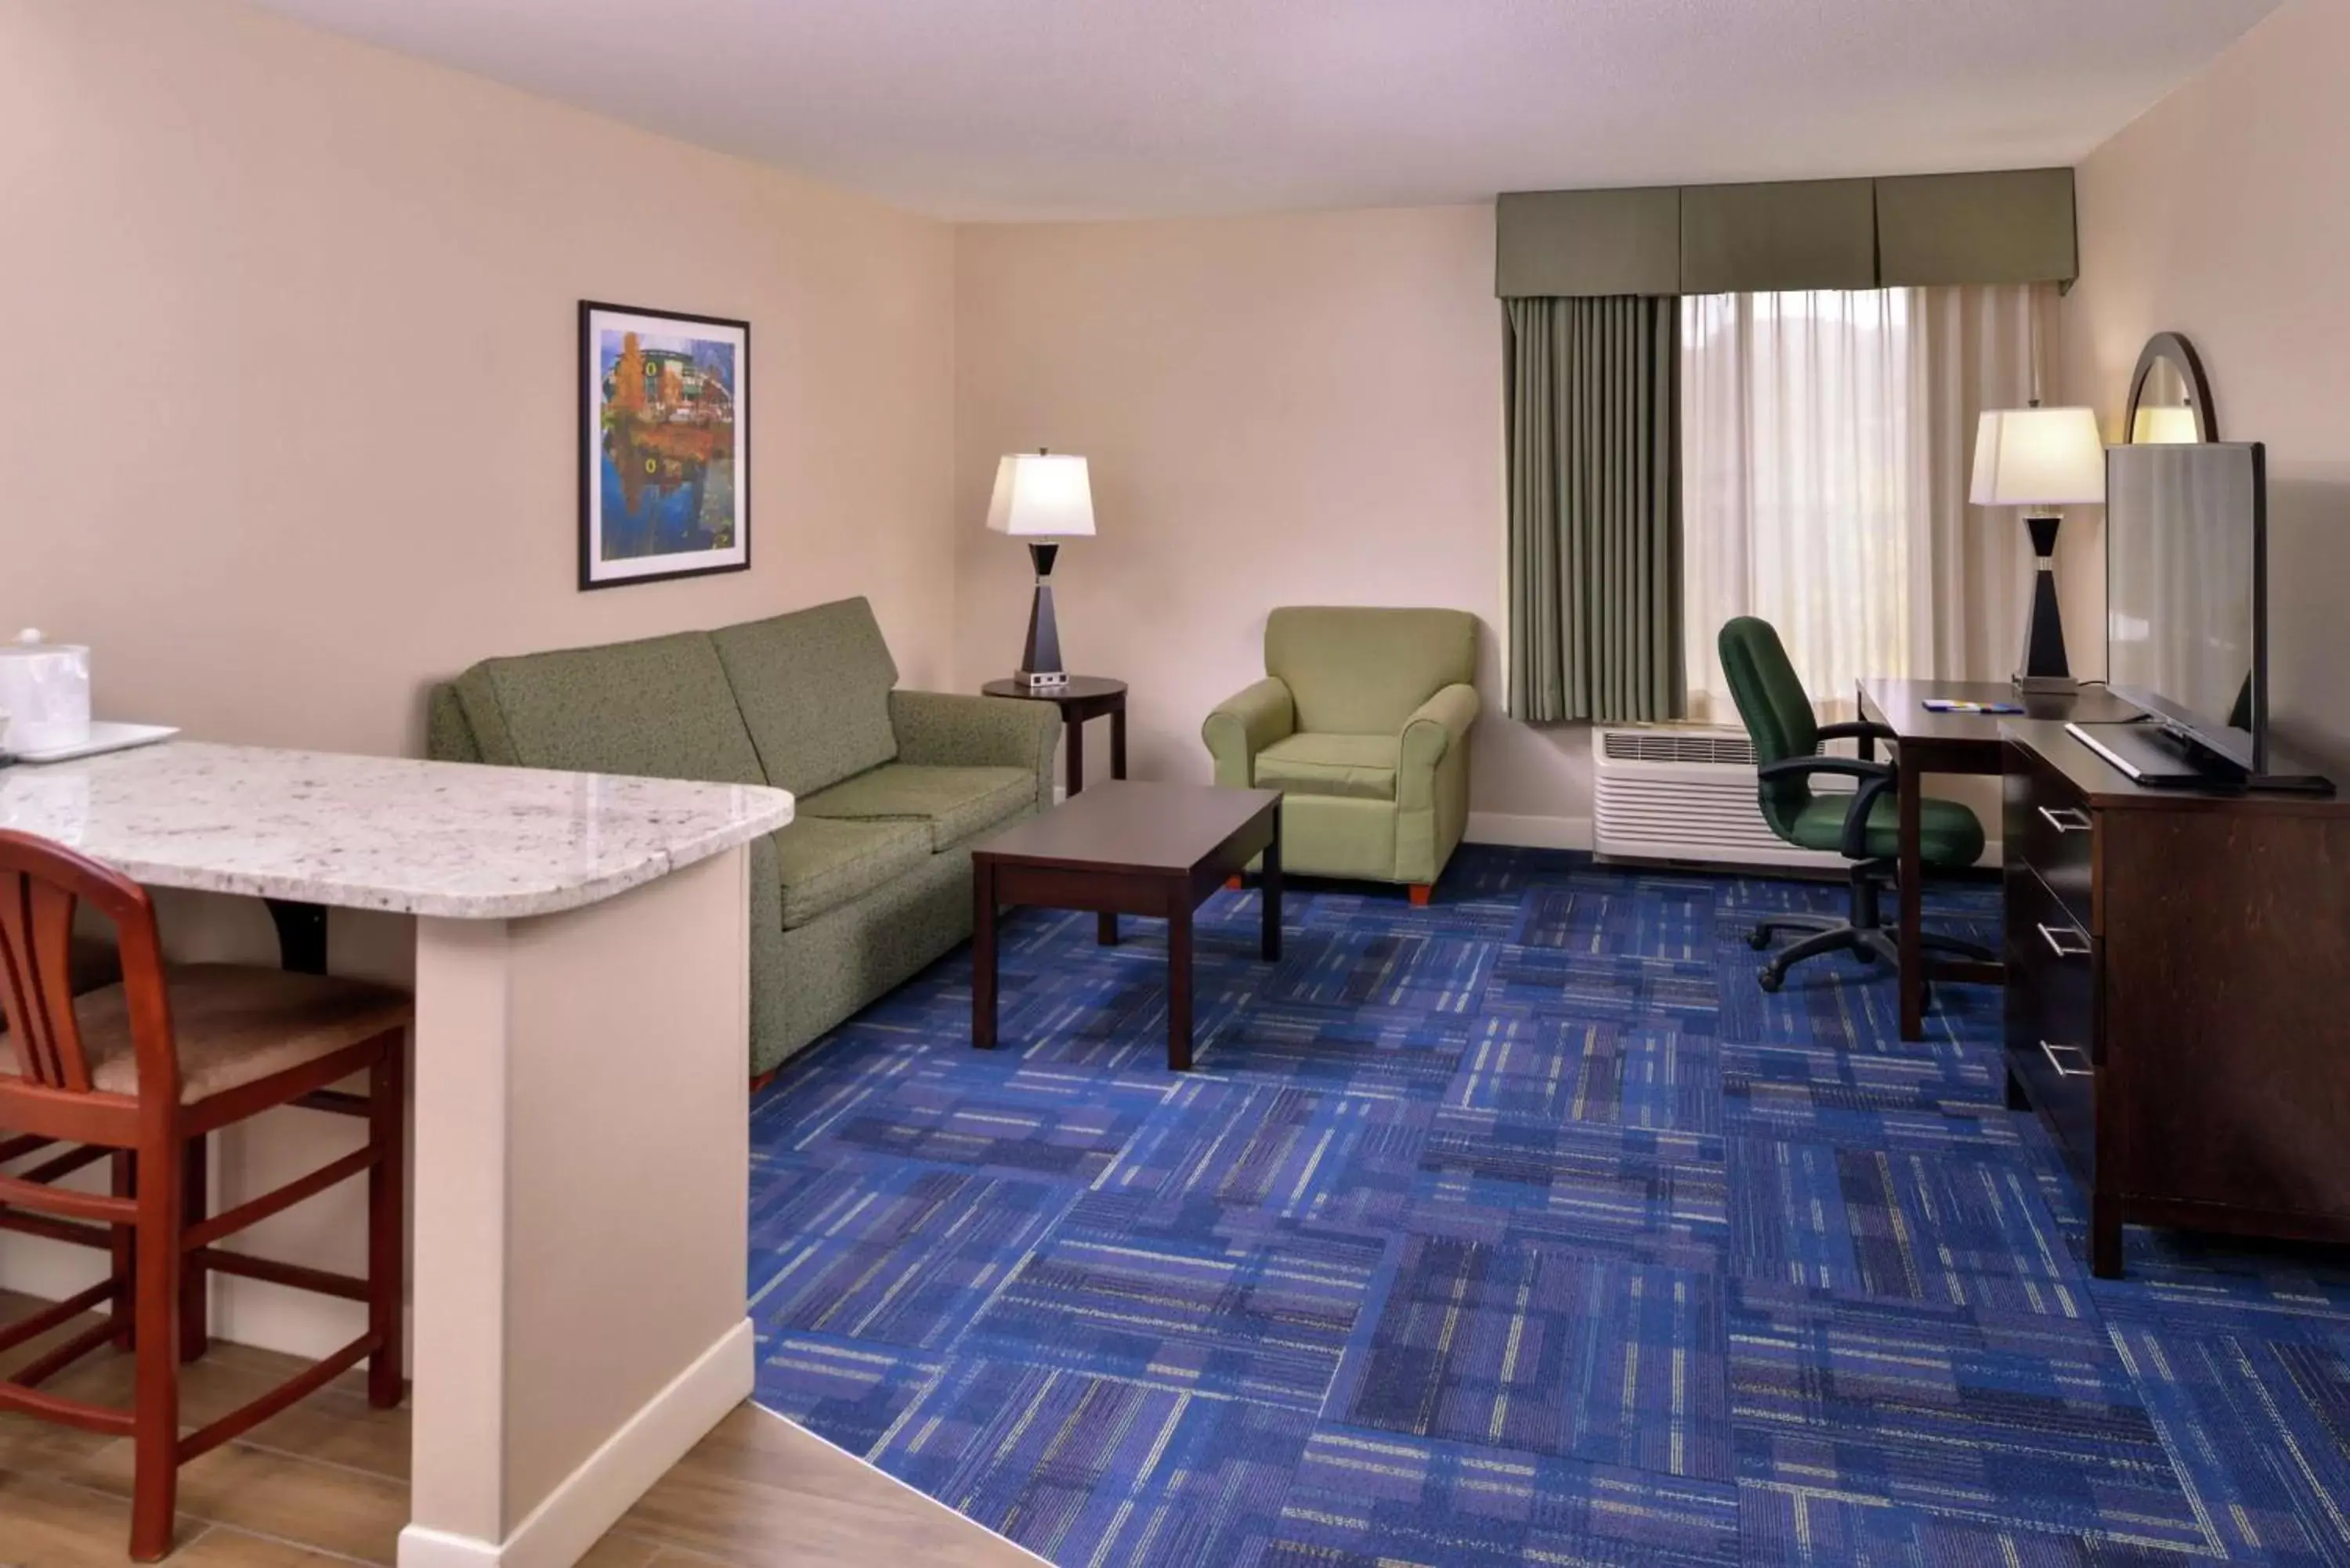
<point x="1085" y="697"/>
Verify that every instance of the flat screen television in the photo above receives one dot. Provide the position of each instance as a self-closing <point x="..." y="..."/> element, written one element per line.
<point x="2187" y="593"/>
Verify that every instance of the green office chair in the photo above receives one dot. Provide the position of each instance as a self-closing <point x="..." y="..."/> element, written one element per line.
<point x="1864" y="826"/>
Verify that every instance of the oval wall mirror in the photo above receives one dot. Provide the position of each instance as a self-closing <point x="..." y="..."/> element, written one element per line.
<point x="2170" y="398"/>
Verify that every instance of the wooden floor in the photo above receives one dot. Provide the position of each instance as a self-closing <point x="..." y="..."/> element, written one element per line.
<point x="326" y="1482"/>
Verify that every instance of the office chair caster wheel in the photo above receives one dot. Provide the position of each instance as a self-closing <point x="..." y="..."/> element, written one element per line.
<point x="1769" y="980"/>
<point x="1759" y="937"/>
<point x="1864" y="954"/>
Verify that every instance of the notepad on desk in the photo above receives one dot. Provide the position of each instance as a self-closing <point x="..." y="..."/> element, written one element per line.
<point x="1958" y="705"/>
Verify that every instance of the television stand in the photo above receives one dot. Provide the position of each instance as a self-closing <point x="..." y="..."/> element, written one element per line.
<point x="2178" y="1004"/>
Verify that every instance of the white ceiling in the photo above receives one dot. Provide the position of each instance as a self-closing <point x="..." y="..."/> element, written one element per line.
<point x="1044" y="108"/>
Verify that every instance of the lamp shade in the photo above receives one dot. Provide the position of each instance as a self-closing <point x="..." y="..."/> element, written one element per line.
<point x="1042" y="495"/>
<point x="2039" y="457"/>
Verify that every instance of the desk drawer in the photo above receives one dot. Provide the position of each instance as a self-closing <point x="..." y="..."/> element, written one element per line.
<point x="2048" y="828"/>
<point x="2054" y="1045"/>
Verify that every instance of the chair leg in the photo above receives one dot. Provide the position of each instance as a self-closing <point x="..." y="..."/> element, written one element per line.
<point x="1840" y="941"/>
<point x="195" y="1306"/>
<point x="126" y="1254"/>
<point x="155" y="1439"/>
<point x="1420" y="893"/>
<point x="387" y="1229"/>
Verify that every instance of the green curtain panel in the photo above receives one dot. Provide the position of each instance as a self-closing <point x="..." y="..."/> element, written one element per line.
<point x="1593" y="417"/>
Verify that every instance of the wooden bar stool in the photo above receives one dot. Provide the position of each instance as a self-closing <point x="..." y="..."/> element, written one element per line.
<point x="140" y="1073"/>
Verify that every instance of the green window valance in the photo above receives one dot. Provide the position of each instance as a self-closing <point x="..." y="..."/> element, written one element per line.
<point x="1759" y="239"/>
<point x="1560" y="243"/>
<point x="1976" y="229"/>
<point x="2010" y="227"/>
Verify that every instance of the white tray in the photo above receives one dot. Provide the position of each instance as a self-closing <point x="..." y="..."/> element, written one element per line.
<point x="104" y="737"/>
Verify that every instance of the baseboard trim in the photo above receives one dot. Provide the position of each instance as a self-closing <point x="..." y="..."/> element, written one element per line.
<point x="592" y="1498"/>
<point x="1529" y="832"/>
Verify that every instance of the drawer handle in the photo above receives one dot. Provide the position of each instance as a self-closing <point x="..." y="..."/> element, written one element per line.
<point x="2056" y="937"/>
<point x="2056" y="1062"/>
<point x="2067" y="819"/>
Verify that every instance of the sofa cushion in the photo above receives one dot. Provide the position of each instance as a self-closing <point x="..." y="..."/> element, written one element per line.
<point x="660" y="708"/>
<point x="1360" y="767"/>
<point x="1365" y="671"/>
<point x="814" y="689"/>
<point x="951" y="803"/>
<point x="826" y="862"/>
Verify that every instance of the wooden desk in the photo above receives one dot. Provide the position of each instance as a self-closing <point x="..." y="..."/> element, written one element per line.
<point x="1927" y="743"/>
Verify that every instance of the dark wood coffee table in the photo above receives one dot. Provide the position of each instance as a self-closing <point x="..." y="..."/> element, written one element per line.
<point x="1125" y="849"/>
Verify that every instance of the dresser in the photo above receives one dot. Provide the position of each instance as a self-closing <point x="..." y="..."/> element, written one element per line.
<point x="2178" y="995"/>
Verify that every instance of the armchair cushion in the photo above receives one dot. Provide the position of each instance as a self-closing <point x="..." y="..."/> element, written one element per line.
<point x="826" y="862"/>
<point x="1949" y="834"/>
<point x="813" y="687"/>
<point x="1360" y="767"/>
<point x="949" y="803"/>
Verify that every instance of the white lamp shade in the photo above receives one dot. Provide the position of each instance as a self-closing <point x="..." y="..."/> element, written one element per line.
<point x="2039" y="457"/>
<point x="1042" y="495"/>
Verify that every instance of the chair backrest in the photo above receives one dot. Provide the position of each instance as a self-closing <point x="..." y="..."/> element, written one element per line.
<point x="1778" y="715"/>
<point x="41" y="882"/>
<point x="1355" y="671"/>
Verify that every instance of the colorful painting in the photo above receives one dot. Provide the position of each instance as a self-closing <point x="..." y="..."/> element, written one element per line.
<point x="664" y="464"/>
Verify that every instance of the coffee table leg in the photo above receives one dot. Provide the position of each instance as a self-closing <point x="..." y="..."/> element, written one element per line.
<point x="1075" y="747"/>
<point x="1269" y="889"/>
<point x="1179" y="982"/>
<point x="1105" y="930"/>
<point x="983" y="956"/>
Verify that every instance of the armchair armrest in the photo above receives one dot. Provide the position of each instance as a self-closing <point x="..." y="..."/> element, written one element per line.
<point x="951" y="730"/>
<point x="1245" y="724"/>
<point x="1438" y="725"/>
<point x="1877" y="780"/>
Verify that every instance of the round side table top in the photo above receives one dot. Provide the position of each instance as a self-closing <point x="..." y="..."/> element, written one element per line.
<point x="1080" y="689"/>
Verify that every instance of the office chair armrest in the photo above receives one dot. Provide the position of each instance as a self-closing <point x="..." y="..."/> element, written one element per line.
<point x="1859" y="729"/>
<point x="1877" y="780"/>
<point x="1867" y="732"/>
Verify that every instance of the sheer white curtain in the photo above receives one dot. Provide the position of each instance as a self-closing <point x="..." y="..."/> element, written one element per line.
<point x="1825" y="443"/>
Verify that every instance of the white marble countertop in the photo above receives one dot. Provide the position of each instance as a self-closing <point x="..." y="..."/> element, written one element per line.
<point x="446" y="839"/>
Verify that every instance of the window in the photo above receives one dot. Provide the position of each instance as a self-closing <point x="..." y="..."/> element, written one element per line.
<point x="1824" y="445"/>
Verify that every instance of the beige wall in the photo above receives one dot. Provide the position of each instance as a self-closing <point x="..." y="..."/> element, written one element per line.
<point x="288" y="428"/>
<point x="2220" y="213"/>
<point x="1293" y="410"/>
<point x="290" y="422"/>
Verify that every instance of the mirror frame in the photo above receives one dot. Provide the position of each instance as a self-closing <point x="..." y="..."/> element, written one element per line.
<point x="2174" y="348"/>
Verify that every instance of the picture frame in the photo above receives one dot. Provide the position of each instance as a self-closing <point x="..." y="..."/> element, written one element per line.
<point x="664" y="445"/>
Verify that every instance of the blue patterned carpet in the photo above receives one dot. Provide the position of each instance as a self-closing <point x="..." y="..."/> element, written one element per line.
<point x="1523" y="1228"/>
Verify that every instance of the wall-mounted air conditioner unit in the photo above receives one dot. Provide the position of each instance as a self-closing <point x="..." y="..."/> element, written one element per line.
<point x="1686" y="791"/>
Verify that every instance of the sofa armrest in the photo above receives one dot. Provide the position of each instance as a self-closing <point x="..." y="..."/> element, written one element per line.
<point x="1438" y="725"/>
<point x="1245" y="724"/>
<point x="448" y="735"/>
<point x="949" y="729"/>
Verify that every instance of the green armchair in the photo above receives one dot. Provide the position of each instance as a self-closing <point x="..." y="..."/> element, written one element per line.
<point x="1362" y="722"/>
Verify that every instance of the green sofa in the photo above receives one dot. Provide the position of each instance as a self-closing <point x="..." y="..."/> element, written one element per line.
<point x="871" y="880"/>
<point x="1362" y="721"/>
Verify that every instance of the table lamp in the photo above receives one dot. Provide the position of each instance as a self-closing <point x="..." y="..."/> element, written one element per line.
<point x="2042" y="459"/>
<point x="1042" y="496"/>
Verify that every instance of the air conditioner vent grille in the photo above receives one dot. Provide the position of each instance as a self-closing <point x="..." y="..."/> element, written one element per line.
<point x="1722" y="748"/>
